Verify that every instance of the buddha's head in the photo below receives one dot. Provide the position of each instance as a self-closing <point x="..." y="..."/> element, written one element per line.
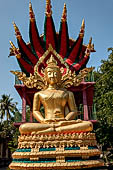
<point x="52" y="72"/>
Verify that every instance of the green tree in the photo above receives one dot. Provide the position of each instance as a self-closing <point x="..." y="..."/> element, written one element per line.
<point x="7" y="107"/>
<point x="8" y="112"/>
<point x="9" y="134"/>
<point x="104" y="101"/>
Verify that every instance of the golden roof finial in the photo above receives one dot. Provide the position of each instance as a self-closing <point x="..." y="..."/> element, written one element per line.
<point x="12" y="45"/>
<point x="64" y="14"/>
<point x="31" y="13"/>
<point x="48" y="8"/>
<point x="83" y="24"/>
<point x="82" y="29"/>
<point x="48" y="2"/>
<point x="15" y="27"/>
<point x="15" y="50"/>
<point x="92" y="46"/>
<point x="90" y="41"/>
<point x="89" y="47"/>
<point x="17" y="32"/>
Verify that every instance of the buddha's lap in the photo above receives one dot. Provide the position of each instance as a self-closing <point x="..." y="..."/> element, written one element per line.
<point x="67" y="125"/>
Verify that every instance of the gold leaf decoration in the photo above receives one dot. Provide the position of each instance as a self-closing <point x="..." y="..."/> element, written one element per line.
<point x="68" y="79"/>
<point x="34" y="81"/>
<point x="71" y="79"/>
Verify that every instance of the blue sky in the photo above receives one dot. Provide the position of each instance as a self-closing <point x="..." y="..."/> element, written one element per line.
<point x="98" y="15"/>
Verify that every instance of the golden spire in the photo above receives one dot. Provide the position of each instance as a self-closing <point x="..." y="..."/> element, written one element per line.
<point x="90" y="45"/>
<point x="82" y="29"/>
<point x="15" y="50"/>
<point x="17" y="32"/>
<point x="64" y="14"/>
<point x="31" y="13"/>
<point x="12" y="45"/>
<point x="48" y="8"/>
<point x="83" y="24"/>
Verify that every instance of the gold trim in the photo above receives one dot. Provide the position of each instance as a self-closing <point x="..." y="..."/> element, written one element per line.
<point x="48" y="8"/>
<point x="59" y="140"/>
<point x="14" y="50"/>
<point x="34" y="81"/>
<point x="50" y="49"/>
<point x="57" y="136"/>
<point x="46" y="154"/>
<point x="63" y="165"/>
<point x="90" y="45"/>
<point x="48" y="144"/>
<point x="83" y="24"/>
<point x="64" y="14"/>
<point x="31" y="13"/>
<point x="81" y="34"/>
<point x="17" y="32"/>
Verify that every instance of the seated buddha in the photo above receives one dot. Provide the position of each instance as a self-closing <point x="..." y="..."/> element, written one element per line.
<point x="59" y="105"/>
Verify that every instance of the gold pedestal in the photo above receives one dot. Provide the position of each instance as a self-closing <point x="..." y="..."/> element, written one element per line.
<point x="56" y="151"/>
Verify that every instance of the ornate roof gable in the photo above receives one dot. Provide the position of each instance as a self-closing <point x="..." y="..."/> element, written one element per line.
<point x="69" y="54"/>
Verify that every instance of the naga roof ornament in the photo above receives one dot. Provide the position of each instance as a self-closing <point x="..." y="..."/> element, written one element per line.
<point x="69" y="54"/>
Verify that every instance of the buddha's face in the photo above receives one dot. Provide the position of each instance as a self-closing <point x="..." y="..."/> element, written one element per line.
<point x="52" y="75"/>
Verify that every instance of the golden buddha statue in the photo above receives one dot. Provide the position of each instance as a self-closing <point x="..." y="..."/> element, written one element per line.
<point x="59" y="105"/>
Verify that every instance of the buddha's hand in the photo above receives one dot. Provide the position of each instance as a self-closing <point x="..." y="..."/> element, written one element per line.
<point x="47" y="121"/>
<point x="78" y="121"/>
<point x="70" y="122"/>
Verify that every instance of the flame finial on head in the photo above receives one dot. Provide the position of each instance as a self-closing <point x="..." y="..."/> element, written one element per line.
<point x="52" y="62"/>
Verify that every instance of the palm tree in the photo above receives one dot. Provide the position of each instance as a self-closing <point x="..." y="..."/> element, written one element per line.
<point x="7" y="107"/>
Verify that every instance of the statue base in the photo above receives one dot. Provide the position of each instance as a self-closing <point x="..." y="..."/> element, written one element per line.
<point x="69" y="150"/>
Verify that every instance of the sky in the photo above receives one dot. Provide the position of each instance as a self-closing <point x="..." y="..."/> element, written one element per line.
<point x="98" y="15"/>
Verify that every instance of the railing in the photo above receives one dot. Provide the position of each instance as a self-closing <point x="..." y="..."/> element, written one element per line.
<point x="89" y="77"/>
<point x="91" y="112"/>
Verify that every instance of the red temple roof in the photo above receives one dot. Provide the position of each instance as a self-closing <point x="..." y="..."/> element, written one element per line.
<point x="73" y="52"/>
